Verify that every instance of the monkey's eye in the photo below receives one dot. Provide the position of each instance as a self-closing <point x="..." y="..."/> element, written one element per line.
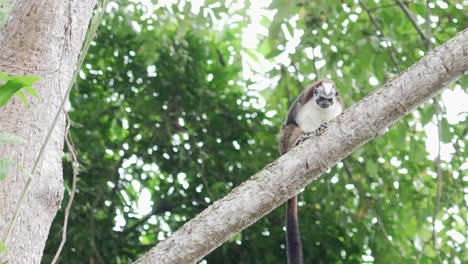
<point x="336" y="93"/>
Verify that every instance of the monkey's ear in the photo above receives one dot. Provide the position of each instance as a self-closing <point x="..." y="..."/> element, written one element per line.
<point x="309" y="93"/>
<point x="318" y="83"/>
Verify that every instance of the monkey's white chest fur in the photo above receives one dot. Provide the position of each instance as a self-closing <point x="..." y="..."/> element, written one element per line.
<point x="311" y="116"/>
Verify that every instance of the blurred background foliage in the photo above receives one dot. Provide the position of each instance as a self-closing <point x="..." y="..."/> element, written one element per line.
<point x="178" y="102"/>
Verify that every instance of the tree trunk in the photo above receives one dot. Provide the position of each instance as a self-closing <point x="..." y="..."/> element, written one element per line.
<point x="285" y="177"/>
<point x="41" y="38"/>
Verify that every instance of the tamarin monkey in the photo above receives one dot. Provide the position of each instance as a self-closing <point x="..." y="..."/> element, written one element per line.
<point x="315" y="106"/>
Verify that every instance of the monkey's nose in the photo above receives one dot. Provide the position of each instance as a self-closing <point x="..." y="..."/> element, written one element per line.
<point x="325" y="102"/>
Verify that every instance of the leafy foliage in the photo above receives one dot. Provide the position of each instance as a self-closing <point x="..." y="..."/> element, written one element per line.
<point x="2" y="247"/>
<point x="11" y="85"/>
<point x="7" y="162"/>
<point x="5" y="8"/>
<point x="7" y="138"/>
<point x="177" y="105"/>
<point x="5" y="165"/>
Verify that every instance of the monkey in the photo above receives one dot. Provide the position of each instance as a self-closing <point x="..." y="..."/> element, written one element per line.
<point x="314" y="107"/>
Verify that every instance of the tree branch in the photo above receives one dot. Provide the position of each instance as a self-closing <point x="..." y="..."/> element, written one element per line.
<point x="286" y="176"/>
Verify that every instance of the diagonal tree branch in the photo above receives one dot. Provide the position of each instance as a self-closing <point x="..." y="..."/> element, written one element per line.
<point x="286" y="176"/>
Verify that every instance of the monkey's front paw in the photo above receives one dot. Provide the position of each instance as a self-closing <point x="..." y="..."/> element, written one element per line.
<point x="321" y="129"/>
<point x="302" y="138"/>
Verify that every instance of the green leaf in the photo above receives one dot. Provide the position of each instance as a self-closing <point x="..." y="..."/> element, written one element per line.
<point x="5" y="165"/>
<point x="2" y="247"/>
<point x="25" y="80"/>
<point x="8" y="90"/>
<point x="4" y="77"/>
<point x="446" y="133"/>
<point x="371" y="167"/>
<point x="427" y="114"/>
<point x="31" y="91"/>
<point x="14" y="84"/>
<point x="8" y="138"/>
<point x="5" y="9"/>
<point x="379" y="65"/>
<point x="22" y="97"/>
<point x="237" y="236"/>
<point x="401" y="134"/>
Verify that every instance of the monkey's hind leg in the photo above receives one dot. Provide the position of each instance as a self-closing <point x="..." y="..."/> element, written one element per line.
<point x="288" y="135"/>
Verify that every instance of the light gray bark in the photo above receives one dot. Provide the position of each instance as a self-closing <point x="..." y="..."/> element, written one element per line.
<point x="285" y="177"/>
<point x="41" y="38"/>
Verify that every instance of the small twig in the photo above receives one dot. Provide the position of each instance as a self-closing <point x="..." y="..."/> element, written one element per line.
<point x="201" y="171"/>
<point x="438" y="113"/>
<point x="288" y="94"/>
<point x="439" y="178"/>
<point x="413" y="21"/>
<point x="220" y="58"/>
<point x="75" y="164"/>
<point x="93" y="230"/>
<point x="296" y="73"/>
<point x="382" y="6"/>
<point x="368" y="201"/>
<point x="456" y="146"/>
<point x="316" y="71"/>
<point x="157" y="209"/>
<point x="377" y="25"/>
<point x="371" y="206"/>
<point x="422" y="251"/>
<point x="202" y="175"/>
<point x="428" y="35"/>
<point x="286" y="85"/>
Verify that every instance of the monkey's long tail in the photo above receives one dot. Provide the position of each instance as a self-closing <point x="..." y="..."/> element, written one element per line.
<point x="294" y="243"/>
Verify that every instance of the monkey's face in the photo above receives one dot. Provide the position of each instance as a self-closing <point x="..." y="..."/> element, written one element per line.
<point x="325" y="94"/>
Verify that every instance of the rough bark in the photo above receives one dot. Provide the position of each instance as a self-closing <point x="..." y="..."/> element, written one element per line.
<point x="41" y="38"/>
<point x="285" y="177"/>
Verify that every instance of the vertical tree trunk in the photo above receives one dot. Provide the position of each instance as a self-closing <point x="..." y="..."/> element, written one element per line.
<point x="41" y="38"/>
